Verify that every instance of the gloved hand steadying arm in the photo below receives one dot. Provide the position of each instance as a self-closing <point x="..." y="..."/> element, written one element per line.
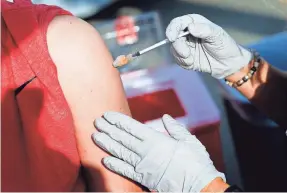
<point x="160" y="162"/>
<point x="208" y="49"/>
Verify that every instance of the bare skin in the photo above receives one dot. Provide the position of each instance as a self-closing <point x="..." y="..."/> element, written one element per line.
<point x="267" y="90"/>
<point x="91" y="86"/>
<point x="217" y="185"/>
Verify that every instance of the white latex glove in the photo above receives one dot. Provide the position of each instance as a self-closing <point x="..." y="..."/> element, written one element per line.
<point x="208" y="49"/>
<point x="175" y="163"/>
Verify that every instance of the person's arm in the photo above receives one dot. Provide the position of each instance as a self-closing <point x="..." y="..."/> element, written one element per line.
<point x="267" y="90"/>
<point x="91" y="86"/>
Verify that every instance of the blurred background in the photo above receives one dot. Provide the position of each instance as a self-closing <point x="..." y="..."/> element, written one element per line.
<point x="247" y="146"/>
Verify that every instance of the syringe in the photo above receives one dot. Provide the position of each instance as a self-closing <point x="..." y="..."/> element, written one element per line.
<point x="125" y="59"/>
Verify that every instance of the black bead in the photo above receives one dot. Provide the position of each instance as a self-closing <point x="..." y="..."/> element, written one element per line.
<point x="254" y="68"/>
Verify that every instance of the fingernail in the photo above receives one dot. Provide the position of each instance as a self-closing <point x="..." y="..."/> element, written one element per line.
<point x="169" y="34"/>
<point x="94" y="135"/>
<point x="109" y="116"/>
<point x="169" y="118"/>
<point x="97" y="135"/>
<point x="106" y="161"/>
<point x="95" y="122"/>
<point x="98" y="122"/>
<point x="106" y="114"/>
<point x="173" y="37"/>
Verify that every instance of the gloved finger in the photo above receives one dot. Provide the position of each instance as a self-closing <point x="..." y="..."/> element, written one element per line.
<point x="122" y="168"/>
<point x="175" y="129"/>
<point x="186" y="63"/>
<point x="177" y="26"/>
<point x="181" y="47"/>
<point x="180" y="132"/>
<point x="119" y="135"/>
<point x="201" y="30"/>
<point x="128" y="124"/>
<point x="116" y="149"/>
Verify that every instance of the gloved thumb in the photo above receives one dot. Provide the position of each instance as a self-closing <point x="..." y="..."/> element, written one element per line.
<point x="201" y="30"/>
<point x="175" y="129"/>
<point x="181" y="48"/>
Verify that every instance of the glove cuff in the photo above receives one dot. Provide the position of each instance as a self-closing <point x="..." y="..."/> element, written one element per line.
<point x="238" y="63"/>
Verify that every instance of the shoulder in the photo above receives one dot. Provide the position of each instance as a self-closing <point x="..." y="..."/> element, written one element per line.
<point x="77" y="48"/>
<point x="65" y="27"/>
<point x="70" y="38"/>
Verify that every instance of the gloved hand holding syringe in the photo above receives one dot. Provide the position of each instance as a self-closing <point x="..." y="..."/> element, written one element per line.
<point x="125" y="59"/>
<point x="200" y="45"/>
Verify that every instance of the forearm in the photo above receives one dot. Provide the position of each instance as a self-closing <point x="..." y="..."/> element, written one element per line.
<point x="267" y="90"/>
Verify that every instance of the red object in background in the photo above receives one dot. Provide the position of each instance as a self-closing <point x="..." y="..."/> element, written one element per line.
<point x="155" y="105"/>
<point x="125" y="29"/>
<point x="209" y="136"/>
<point x="152" y="106"/>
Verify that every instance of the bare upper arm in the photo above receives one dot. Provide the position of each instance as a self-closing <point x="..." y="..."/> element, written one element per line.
<point x="91" y="87"/>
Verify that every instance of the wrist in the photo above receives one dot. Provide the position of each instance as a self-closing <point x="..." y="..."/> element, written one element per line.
<point x="216" y="185"/>
<point x="254" y="82"/>
<point x="240" y="73"/>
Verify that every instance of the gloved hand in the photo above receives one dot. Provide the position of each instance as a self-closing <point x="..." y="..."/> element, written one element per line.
<point x="208" y="49"/>
<point x="178" y="162"/>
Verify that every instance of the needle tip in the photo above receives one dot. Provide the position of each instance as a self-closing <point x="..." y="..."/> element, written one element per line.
<point x="122" y="60"/>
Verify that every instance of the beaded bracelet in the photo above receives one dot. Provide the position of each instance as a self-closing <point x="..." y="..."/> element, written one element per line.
<point x="257" y="60"/>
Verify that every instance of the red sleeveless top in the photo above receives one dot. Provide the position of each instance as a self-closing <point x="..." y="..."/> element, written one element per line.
<point x="38" y="145"/>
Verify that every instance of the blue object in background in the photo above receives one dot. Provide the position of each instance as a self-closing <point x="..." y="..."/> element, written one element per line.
<point x="274" y="50"/>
